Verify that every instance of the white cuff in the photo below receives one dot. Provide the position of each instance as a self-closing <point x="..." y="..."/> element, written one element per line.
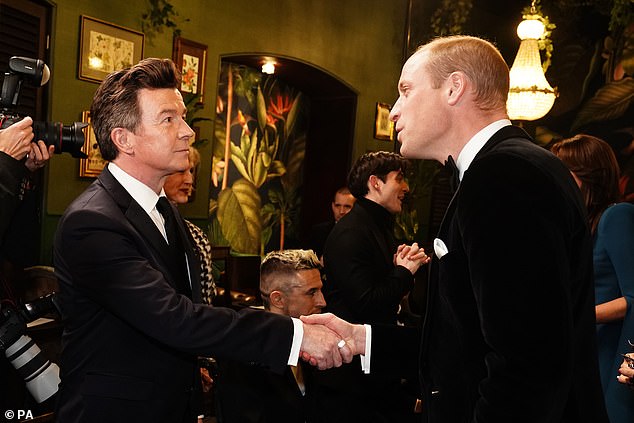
<point x="365" y="358"/>
<point x="298" y="337"/>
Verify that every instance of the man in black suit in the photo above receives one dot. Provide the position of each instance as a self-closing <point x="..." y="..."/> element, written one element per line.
<point x="509" y="334"/>
<point x="290" y="285"/>
<point x="342" y="203"/>
<point x="366" y="282"/>
<point x="129" y="288"/>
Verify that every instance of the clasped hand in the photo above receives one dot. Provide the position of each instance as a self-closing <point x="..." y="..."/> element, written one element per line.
<point x="411" y="257"/>
<point x="322" y="346"/>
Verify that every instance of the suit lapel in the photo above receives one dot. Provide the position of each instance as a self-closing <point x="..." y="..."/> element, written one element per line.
<point x="140" y="220"/>
<point x="504" y="133"/>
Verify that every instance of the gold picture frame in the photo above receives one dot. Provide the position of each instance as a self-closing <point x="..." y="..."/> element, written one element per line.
<point x="105" y="47"/>
<point x="190" y="58"/>
<point x="92" y="166"/>
<point x="383" y="127"/>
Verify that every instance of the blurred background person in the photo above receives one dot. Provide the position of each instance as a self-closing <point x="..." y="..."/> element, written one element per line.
<point x="595" y="169"/>
<point x="290" y="285"/>
<point x="178" y="188"/>
<point x="341" y="205"/>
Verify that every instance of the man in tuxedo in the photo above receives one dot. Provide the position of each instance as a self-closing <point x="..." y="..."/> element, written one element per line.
<point x="341" y="205"/>
<point x="290" y="285"/>
<point x="509" y="334"/>
<point x="129" y="290"/>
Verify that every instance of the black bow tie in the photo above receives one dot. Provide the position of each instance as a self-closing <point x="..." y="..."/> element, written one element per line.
<point x="453" y="173"/>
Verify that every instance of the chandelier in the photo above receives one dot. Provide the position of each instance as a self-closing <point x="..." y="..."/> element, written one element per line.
<point x="530" y="94"/>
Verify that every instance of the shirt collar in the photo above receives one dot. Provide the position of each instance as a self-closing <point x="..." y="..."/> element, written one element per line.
<point x="476" y="143"/>
<point x="141" y="193"/>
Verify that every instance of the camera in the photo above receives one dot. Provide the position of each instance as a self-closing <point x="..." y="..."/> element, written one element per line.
<point x="40" y="375"/>
<point x="65" y="138"/>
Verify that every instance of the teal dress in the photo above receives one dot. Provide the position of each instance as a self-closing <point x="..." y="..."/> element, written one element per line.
<point x="614" y="278"/>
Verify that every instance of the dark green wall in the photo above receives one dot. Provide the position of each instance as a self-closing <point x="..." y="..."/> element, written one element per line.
<point x="359" y="41"/>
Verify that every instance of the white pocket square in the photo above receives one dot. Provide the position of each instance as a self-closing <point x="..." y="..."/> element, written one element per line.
<point x="440" y="248"/>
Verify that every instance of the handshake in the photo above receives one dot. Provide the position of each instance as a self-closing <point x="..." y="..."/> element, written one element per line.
<point x="330" y="341"/>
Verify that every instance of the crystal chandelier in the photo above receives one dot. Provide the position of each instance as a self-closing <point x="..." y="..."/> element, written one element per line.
<point x="530" y="95"/>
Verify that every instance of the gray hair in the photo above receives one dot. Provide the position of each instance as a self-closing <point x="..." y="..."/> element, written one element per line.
<point x="278" y="271"/>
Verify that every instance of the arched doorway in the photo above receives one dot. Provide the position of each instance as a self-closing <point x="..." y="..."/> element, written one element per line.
<point x="330" y="132"/>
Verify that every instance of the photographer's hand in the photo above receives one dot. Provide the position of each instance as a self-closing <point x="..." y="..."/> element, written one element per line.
<point x="16" y="139"/>
<point x="38" y="155"/>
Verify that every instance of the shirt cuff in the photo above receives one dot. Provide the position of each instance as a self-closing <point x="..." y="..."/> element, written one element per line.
<point x="298" y="336"/>
<point x="365" y="358"/>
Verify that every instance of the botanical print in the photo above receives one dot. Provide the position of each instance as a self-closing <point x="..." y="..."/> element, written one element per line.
<point x="258" y="161"/>
<point x="189" y="83"/>
<point x="109" y="54"/>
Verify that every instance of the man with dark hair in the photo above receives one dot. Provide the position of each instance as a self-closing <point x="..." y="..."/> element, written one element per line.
<point x="290" y="285"/>
<point x="129" y="288"/>
<point x="341" y="204"/>
<point x="366" y="282"/>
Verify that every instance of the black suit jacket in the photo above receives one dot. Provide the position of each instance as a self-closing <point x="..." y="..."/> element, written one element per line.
<point x="363" y="285"/>
<point x="130" y="340"/>
<point x="510" y="329"/>
<point x="318" y="236"/>
<point x="248" y="393"/>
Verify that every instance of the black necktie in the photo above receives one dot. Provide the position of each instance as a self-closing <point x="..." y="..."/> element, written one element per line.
<point x="175" y="245"/>
<point x="163" y="206"/>
<point x="453" y="172"/>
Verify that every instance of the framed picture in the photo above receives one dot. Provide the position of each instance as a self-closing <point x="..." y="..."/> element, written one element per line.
<point x="191" y="59"/>
<point x="94" y="164"/>
<point x="105" y="48"/>
<point x="383" y="127"/>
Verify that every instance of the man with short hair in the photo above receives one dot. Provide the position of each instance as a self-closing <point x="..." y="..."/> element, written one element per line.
<point x="290" y="285"/>
<point x="509" y="334"/>
<point x="341" y="205"/>
<point x="128" y="276"/>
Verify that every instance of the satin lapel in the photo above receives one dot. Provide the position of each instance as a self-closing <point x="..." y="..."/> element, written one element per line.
<point x="142" y="222"/>
<point x="442" y="230"/>
<point x="137" y="217"/>
<point x="499" y="136"/>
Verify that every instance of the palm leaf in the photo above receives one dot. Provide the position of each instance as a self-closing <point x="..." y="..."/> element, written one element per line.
<point x="610" y="102"/>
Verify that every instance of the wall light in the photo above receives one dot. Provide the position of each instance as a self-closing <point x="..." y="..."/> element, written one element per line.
<point x="530" y="95"/>
<point x="268" y="67"/>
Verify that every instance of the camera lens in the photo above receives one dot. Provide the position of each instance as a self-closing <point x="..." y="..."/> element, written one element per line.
<point x="40" y="375"/>
<point x="65" y="138"/>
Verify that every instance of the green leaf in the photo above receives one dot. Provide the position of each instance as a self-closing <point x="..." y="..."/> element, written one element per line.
<point x="239" y="216"/>
<point x="292" y="114"/>
<point x="610" y="102"/>
<point x="251" y="153"/>
<point x="260" y="170"/>
<point x="277" y="168"/>
<point x="238" y="160"/>
<point x="261" y="109"/>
